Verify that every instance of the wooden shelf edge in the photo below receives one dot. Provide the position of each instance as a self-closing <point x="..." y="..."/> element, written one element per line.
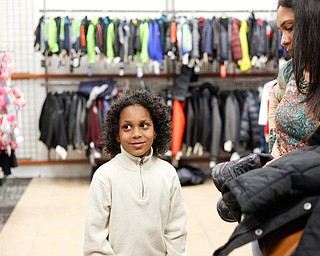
<point x="22" y="76"/>
<point x="52" y="162"/>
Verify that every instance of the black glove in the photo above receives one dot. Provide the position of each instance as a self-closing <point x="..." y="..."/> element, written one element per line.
<point x="232" y="205"/>
<point x="223" y="172"/>
<point x="224" y="212"/>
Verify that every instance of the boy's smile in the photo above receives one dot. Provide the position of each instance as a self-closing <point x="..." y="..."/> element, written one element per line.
<point x="136" y="130"/>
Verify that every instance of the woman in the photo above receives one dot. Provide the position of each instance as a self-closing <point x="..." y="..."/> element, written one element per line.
<point x="294" y="108"/>
<point x="294" y="111"/>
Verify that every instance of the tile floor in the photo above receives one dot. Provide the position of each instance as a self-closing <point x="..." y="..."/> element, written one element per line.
<point x="48" y="220"/>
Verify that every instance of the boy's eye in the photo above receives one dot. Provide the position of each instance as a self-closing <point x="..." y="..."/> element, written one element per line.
<point x="126" y="127"/>
<point x="144" y="125"/>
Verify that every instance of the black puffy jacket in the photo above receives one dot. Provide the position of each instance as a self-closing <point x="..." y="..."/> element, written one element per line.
<point x="271" y="197"/>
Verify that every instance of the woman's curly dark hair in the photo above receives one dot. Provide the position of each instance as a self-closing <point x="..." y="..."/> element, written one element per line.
<point x="159" y="112"/>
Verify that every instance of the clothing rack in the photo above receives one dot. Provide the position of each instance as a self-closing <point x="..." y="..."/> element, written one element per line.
<point x="160" y="11"/>
<point x="170" y="10"/>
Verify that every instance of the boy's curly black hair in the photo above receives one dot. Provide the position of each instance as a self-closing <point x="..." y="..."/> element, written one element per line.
<point x="159" y="112"/>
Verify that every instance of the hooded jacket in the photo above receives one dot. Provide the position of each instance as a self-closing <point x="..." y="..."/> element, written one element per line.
<point x="286" y="190"/>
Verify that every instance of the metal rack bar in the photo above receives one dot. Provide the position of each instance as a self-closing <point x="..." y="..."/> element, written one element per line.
<point x="157" y="11"/>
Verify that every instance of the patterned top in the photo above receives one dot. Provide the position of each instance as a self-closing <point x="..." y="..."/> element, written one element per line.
<point x="293" y="124"/>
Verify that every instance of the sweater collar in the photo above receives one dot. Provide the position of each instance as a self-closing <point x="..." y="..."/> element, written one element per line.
<point x="127" y="160"/>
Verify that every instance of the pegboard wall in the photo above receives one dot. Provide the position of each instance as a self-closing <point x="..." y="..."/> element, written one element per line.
<point x="17" y="25"/>
<point x="16" y="21"/>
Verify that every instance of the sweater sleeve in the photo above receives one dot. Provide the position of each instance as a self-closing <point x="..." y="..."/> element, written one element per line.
<point x="97" y="220"/>
<point x="276" y="95"/>
<point x="278" y="90"/>
<point x="175" y="231"/>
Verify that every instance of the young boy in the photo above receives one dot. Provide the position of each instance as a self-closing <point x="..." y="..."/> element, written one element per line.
<point x="135" y="204"/>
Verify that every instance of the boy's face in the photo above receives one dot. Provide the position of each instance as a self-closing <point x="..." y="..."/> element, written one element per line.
<point x="136" y="130"/>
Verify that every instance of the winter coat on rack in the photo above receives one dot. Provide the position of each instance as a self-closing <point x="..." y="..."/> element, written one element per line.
<point x="189" y="125"/>
<point x="7" y="161"/>
<point x="224" y="40"/>
<point x="216" y="125"/>
<point x="95" y="120"/>
<point x="231" y="123"/>
<point x="285" y="191"/>
<point x="235" y="40"/>
<point x="63" y="121"/>
<point x="205" y="104"/>
<point x="249" y="129"/>
<point x="52" y="123"/>
<point x="79" y="119"/>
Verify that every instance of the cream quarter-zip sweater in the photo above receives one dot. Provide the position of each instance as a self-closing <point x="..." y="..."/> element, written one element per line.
<point x="135" y="208"/>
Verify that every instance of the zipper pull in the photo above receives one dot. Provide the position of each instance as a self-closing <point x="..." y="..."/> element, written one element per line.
<point x="141" y="161"/>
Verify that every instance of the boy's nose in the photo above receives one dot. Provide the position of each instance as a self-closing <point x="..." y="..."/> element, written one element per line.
<point x="136" y="133"/>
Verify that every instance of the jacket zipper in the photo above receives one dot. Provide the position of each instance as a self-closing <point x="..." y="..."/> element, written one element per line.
<point x="141" y="177"/>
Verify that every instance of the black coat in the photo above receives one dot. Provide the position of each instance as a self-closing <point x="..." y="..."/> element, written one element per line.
<point x="271" y="197"/>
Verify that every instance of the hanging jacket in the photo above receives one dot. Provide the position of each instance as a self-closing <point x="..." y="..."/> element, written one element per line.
<point x="37" y="34"/>
<point x="67" y="36"/>
<point x="232" y="123"/>
<point x="132" y="39"/>
<point x="229" y="39"/>
<point x="224" y="39"/>
<point x="124" y="34"/>
<point x="216" y="133"/>
<point x="75" y="35"/>
<point x="52" y="124"/>
<point x="94" y="130"/>
<point x="178" y="126"/>
<point x="100" y="35"/>
<point x="189" y="125"/>
<point x="117" y="45"/>
<point x="137" y="41"/>
<point x="61" y="35"/>
<point x="186" y="39"/>
<point x="81" y="123"/>
<point x="86" y="87"/>
<point x="173" y="46"/>
<point x="207" y="27"/>
<point x="143" y="56"/>
<point x="163" y="27"/>
<point x="7" y="161"/>
<point x="245" y="63"/>
<point x="154" y="42"/>
<point x="83" y="32"/>
<point x="53" y="36"/>
<point x="110" y="41"/>
<point x="90" y="38"/>
<point x="72" y="118"/>
<point x="249" y="128"/>
<point x="106" y="22"/>
<point x="216" y="38"/>
<point x="272" y="35"/>
<point x="195" y="53"/>
<point x="235" y="40"/>
<point x="206" y="116"/>
<point x="251" y="21"/>
<point x="281" y="193"/>
<point x="196" y="130"/>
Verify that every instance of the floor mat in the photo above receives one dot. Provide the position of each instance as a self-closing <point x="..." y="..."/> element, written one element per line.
<point x="10" y="192"/>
